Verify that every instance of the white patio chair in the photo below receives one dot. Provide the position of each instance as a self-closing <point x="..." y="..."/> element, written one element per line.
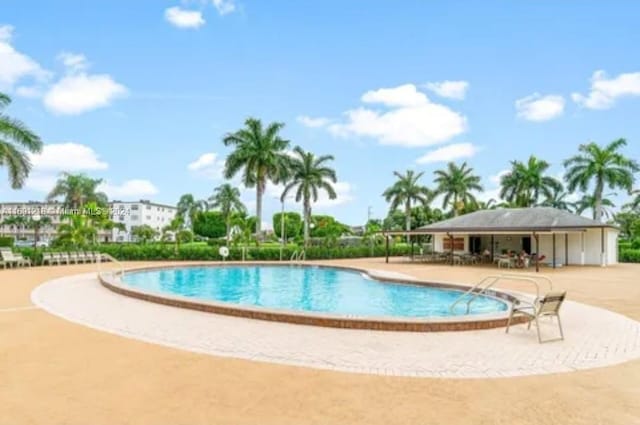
<point x="548" y="306"/>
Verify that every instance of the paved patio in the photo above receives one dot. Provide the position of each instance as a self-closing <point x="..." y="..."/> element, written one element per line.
<point x="594" y="337"/>
<point x="56" y="371"/>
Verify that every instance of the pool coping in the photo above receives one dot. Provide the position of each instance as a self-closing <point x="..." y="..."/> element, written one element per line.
<point x="386" y="323"/>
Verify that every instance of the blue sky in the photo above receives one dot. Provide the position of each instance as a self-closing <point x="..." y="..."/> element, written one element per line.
<point x="141" y="93"/>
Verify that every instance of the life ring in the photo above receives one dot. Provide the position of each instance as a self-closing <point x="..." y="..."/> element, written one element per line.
<point x="223" y="251"/>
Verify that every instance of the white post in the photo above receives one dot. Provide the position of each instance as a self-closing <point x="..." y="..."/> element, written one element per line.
<point x="582" y="248"/>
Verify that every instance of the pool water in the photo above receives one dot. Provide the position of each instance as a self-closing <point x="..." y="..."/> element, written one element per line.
<point x="307" y="289"/>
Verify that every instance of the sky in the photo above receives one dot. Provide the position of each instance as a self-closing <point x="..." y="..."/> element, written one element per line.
<point x="141" y="93"/>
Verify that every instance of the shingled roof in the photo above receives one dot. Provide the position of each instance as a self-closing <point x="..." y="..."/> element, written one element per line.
<point x="543" y="219"/>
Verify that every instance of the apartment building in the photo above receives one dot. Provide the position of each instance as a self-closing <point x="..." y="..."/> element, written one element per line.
<point x="130" y="214"/>
<point x="138" y="213"/>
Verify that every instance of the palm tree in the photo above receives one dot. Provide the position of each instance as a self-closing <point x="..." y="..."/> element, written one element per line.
<point x="261" y="155"/>
<point x="309" y="175"/>
<point x="527" y="182"/>
<point x="15" y="138"/>
<point x="588" y="202"/>
<point x="635" y="202"/>
<point x="405" y="191"/>
<point x="456" y="184"/>
<point x="18" y="221"/>
<point x="77" y="231"/>
<point x="558" y="200"/>
<point x="173" y="228"/>
<point x="188" y="207"/>
<point x="604" y="166"/>
<point x="227" y="199"/>
<point x="36" y="225"/>
<point x="77" y="190"/>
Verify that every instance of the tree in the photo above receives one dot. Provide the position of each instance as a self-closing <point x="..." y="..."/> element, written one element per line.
<point x="36" y="225"/>
<point x="144" y="233"/>
<point x="456" y="184"/>
<point x="76" y="231"/>
<point x="18" y="221"/>
<point x="558" y="199"/>
<point x="77" y="190"/>
<point x="588" y="202"/>
<point x="309" y="175"/>
<point x="629" y="224"/>
<point x="227" y="199"/>
<point x="323" y="226"/>
<point x="405" y="191"/>
<point x="526" y="183"/>
<point x="635" y="202"/>
<point x="292" y="225"/>
<point x="210" y="224"/>
<point x="16" y="141"/>
<point x="173" y="229"/>
<point x="260" y="153"/>
<point x="188" y="207"/>
<point x="602" y="166"/>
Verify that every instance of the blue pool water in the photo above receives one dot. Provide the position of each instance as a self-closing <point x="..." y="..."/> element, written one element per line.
<point x="306" y="288"/>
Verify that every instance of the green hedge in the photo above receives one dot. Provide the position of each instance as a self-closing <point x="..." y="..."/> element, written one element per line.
<point x="6" y="241"/>
<point x="630" y="256"/>
<point x="156" y="252"/>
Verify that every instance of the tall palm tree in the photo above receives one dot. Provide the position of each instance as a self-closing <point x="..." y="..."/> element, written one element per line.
<point x="604" y="166"/>
<point x="188" y="207"/>
<point x="405" y="191"/>
<point x="588" y="202"/>
<point x="260" y="153"/>
<point x="635" y="202"/>
<point x="558" y="199"/>
<point x="309" y="175"/>
<point x="37" y="225"/>
<point x="526" y="182"/>
<point x="77" y="190"/>
<point x="18" y="221"/>
<point x="15" y="139"/>
<point x="456" y="184"/>
<point x="227" y="199"/>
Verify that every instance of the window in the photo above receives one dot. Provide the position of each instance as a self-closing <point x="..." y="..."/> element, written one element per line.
<point x="148" y="217"/>
<point x="148" y="207"/>
<point x="134" y="217"/>
<point x="134" y="208"/>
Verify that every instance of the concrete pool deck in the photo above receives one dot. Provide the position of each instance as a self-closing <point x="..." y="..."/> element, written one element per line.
<point x="55" y="371"/>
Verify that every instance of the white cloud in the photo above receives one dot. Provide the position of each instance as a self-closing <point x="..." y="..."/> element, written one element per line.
<point x="411" y="121"/>
<point x="404" y="95"/>
<point x="495" y="179"/>
<point x="183" y="18"/>
<point x="55" y="158"/>
<point x="14" y="65"/>
<point x="449" y="153"/>
<point x="605" y="91"/>
<point x="540" y="108"/>
<point x="135" y="188"/>
<point x="224" y="7"/>
<point x="78" y="93"/>
<point x="74" y="62"/>
<point x="449" y="89"/>
<point x="313" y="122"/>
<point x="70" y="157"/>
<point x="207" y="165"/>
<point x="29" y="91"/>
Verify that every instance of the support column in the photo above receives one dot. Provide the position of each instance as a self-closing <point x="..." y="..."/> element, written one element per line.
<point x="537" y="252"/>
<point x="603" y="253"/>
<point x="493" y="247"/>
<point x="451" y="243"/>
<point x="554" y="250"/>
<point x="386" y="248"/>
<point x="566" y="249"/>
<point x="582" y="248"/>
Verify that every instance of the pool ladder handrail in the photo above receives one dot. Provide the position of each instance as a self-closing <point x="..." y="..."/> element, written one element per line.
<point x="111" y="259"/>
<point x="478" y="290"/>
<point x="298" y="255"/>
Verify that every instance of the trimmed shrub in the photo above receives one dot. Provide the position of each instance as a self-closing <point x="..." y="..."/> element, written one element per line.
<point x="6" y="241"/>
<point x="630" y="256"/>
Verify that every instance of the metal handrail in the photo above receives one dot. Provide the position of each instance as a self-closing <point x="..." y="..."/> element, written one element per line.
<point x="294" y="256"/>
<point x="111" y="259"/>
<point x="298" y="255"/>
<point x="496" y="279"/>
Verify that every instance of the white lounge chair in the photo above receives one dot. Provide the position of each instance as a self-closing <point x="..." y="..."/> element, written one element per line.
<point x="549" y="306"/>
<point x="6" y="256"/>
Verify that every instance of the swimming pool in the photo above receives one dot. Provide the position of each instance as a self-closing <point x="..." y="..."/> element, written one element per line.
<point x="311" y="289"/>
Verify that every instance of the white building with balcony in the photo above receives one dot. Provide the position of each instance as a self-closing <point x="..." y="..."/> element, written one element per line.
<point x="139" y="213"/>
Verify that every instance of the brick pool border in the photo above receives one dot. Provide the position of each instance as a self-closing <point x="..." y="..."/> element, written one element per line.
<point x="464" y="323"/>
